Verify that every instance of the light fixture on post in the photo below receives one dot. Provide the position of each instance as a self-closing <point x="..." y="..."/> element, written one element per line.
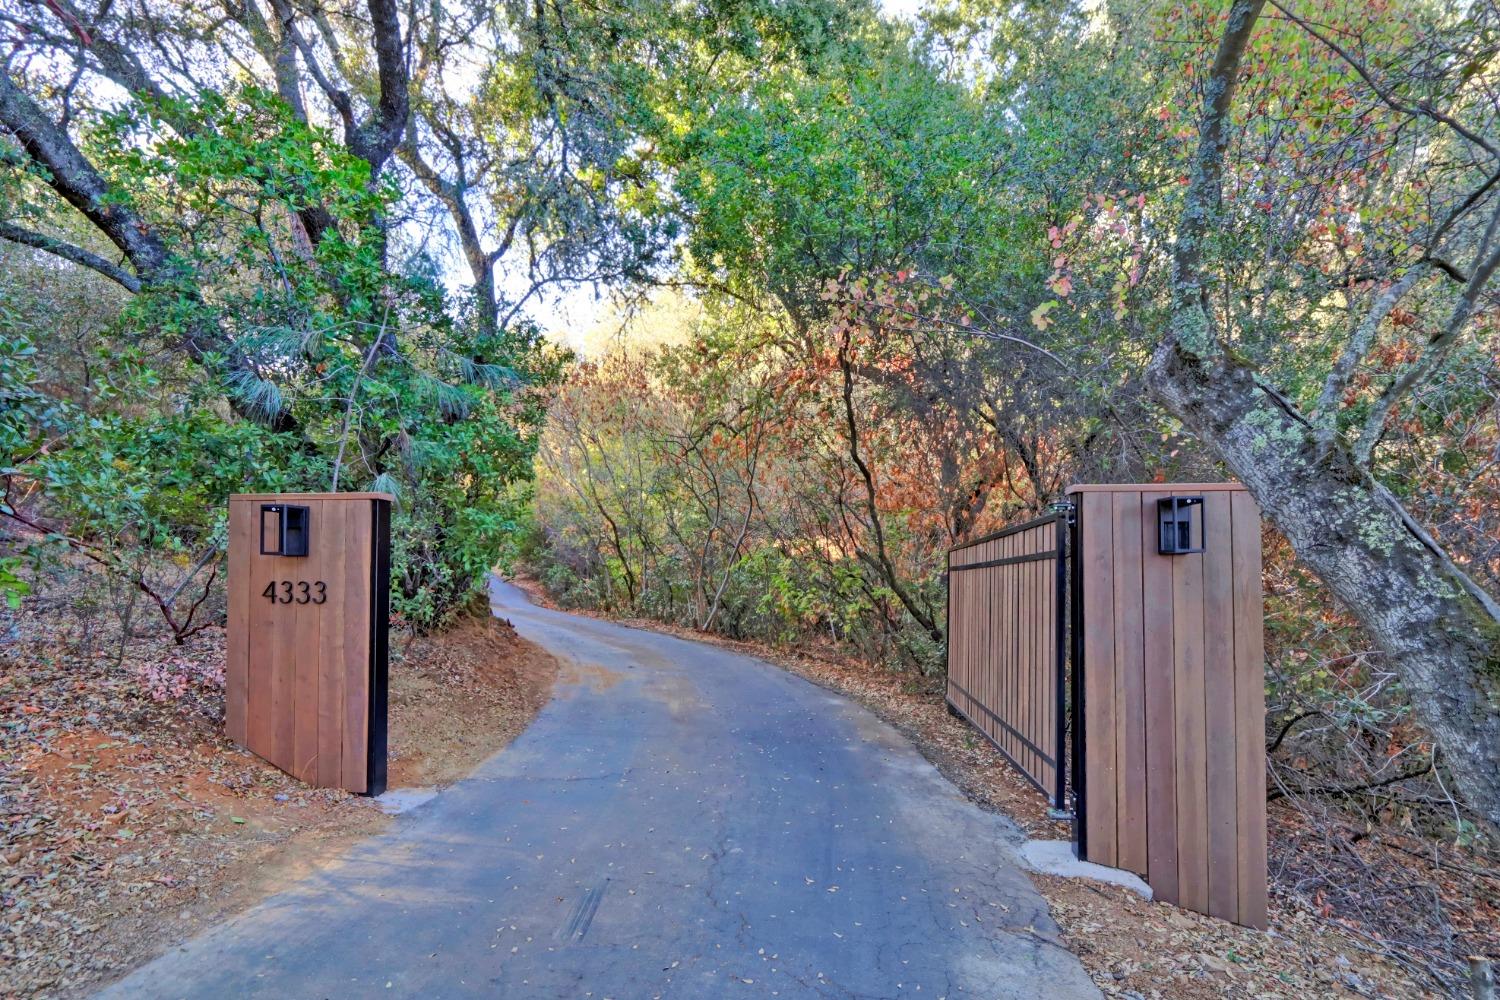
<point x="1178" y="531"/>
<point x="283" y="529"/>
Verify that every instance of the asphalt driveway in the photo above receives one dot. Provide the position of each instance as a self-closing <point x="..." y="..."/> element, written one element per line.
<point x="680" y="821"/>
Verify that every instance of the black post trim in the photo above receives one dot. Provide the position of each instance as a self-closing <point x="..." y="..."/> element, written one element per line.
<point x="1060" y="798"/>
<point x="947" y="621"/>
<point x="1080" y="745"/>
<point x="380" y="619"/>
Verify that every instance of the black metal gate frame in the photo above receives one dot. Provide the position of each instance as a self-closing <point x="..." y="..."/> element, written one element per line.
<point x="1063" y="608"/>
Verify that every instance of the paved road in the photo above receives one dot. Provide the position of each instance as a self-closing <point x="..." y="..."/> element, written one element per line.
<point x="681" y="822"/>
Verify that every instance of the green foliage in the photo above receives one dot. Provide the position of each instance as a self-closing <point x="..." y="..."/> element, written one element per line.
<point x="362" y="375"/>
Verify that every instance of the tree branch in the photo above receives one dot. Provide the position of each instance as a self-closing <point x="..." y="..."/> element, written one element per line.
<point x="1359" y="344"/>
<point x="1486" y="260"/>
<point x="67" y="251"/>
<point x="1422" y="108"/>
<point x="1189" y="328"/>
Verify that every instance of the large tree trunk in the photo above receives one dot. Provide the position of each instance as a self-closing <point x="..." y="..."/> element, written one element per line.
<point x="1439" y="631"/>
<point x="1439" y="638"/>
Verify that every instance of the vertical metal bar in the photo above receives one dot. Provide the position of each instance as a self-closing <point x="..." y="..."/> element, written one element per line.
<point x="380" y="619"/>
<point x="1075" y="650"/>
<point x="1060" y="637"/>
<point x="948" y="632"/>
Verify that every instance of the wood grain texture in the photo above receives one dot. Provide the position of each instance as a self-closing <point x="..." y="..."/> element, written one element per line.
<point x="1182" y="761"/>
<point x="1126" y="511"/>
<point x="1219" y="626"/>
<point x="1096" y="555"/>
<point x="306" y="621"/>
<point x="331" y="641"/>
<point x="1192" y="735"/>
<point x="1157" y="628"/>
<point x="237" y="635"/>
<point x="1250" y="710"/>
<point x="297" y="672"/>
<point x="261" y="661"/>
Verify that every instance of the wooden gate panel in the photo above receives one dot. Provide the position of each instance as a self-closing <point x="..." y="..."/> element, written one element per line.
<point x="1192" y="737"/>
<point x="355" y="733"/>
<point x="1003" y="657"/>
<point x="237" y="654"/>
<point x="332" y="646"/>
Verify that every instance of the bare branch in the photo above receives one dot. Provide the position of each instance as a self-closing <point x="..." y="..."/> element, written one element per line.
<point x="1421" y="108"/>
<point x="1359" y="344"/>
<point x="1486" y="260"/>
<point x="67" y="251"/>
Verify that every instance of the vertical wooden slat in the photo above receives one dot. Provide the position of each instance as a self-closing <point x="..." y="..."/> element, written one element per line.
<point x="984" y="652"/>
<point x="1049" y="661"/>
<point x="1161" y="722"/>
<point x="303" y="620"/>
<point x="999" y="693"/>
<point x="1023" y="651"/>
<point x="1219" y="706"/>
<point x="282" y="570"/>
<point x="1023" y="628"/>
<point x="1041" y="574"/>
<point x="354" y="585"/>
<point x="1041" y="624"/>
<point x="955" y="624"/>
<point x="260" y="663"/>
<point x="1096" y="558"/>
<point x="978" y="634"/>
<point x="237" y="646"/>
<point x="331" y="654"/>
<point x="1192" y="751"/>
<point x="962" y="631"/>
<point x="1130" y="682"/>
<point x="1038" y="646"/>
<point x="1250" y="710"/>
<point x="948" y="633"/>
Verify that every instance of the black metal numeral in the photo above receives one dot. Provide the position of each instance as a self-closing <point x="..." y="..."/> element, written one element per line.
<point x="303" y="589"/>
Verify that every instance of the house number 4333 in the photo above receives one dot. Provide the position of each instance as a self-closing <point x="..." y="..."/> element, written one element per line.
<point x="296" y="592"/>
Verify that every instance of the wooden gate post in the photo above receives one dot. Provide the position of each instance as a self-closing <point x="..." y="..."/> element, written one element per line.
<point x="1171" y="655"/>
<point x="306" y="665"/>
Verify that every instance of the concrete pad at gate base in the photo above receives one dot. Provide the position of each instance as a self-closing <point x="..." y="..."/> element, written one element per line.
<point x="1056" y="857"/>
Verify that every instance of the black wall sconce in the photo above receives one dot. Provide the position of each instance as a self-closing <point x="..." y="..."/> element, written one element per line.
<point x="283" y="529"/>
<point x="1177" y="532"/>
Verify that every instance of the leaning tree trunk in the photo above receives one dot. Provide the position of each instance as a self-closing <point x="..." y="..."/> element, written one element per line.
<point x="1440" y="640"/>
<point x="1439" y="631"/>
